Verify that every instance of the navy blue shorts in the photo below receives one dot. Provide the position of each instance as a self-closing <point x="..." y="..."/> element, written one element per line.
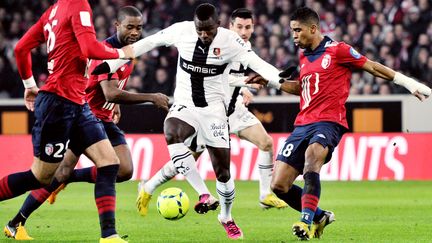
<point x="115" y="135"/>
<point x="328" y="134"/>
<point x="56" y="120"/>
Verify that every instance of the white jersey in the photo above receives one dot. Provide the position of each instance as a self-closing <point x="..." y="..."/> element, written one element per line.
<point x="237" y="70"/>
<point x="202" y="73"/>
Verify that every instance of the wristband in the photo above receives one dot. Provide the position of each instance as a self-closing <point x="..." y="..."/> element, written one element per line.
<point x="275" y="85"/>
<point x="410" y="84"/>
<point x="121" y="53"/>
<point x="29" y="83"/>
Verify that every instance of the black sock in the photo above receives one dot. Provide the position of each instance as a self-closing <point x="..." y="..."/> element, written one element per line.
<point x="310" y="197"/>
<point x="85" y="174"/>
<point x="16" y="184"/>
<point x="105" y="197"/>
<point x="33" y="202"/>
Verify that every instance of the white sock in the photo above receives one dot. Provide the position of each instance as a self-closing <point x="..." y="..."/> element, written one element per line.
<point x="166" y="173"/>
<point x="265" y="167"/>
<point x="184" y="163"/>
<point x="226" y="192"/>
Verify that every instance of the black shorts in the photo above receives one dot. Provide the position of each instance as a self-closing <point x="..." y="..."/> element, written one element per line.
<point x="56" y="121"/>
<point x="328" y="134"/>
<point x="115" y="135"/>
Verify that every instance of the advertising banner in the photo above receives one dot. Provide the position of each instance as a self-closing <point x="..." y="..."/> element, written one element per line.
<point x="381" y="156"/>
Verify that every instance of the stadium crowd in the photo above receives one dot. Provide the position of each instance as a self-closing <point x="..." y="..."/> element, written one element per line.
<point x="397" y="33"/>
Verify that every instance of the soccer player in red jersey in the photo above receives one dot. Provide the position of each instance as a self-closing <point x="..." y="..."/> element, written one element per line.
<point x="323" y="86"/>
<point x="60" y="110"/>
<point x="101" y="91"/>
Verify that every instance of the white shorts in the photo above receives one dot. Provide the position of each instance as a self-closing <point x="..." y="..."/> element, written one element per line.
<point x="241" y="119"/>
<point x="210" y="123"/>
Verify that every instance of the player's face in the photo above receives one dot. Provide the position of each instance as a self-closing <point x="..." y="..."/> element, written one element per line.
<point x="206" y="30"/>
<point x="243" y="27"/>
<point x="129" y="30"/>
<point x="301" y="33"/>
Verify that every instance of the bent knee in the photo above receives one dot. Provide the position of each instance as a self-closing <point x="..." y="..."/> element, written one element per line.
<point x="266" y="144"/>
<point x="124" y="174"/>
<point x="279" y="188"/>
<point x="223" y="176"/>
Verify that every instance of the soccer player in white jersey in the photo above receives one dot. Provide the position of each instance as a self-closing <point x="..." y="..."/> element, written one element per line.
<point x="200" y="99"/>
<point x="242" y="123"/>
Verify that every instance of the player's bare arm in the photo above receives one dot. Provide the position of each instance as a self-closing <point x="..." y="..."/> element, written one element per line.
<point x="418" y="89"/>
<point x="115" y="95"/>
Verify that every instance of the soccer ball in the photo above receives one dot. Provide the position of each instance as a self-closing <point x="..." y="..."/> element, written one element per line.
<point x="173" y="203"/>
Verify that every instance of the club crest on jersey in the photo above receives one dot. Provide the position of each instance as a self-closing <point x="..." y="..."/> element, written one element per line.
<point x="325" y="63"/>
<point x="49" y="149"/>
<point x="354" y="53"/>
<point x="216" y="51"/>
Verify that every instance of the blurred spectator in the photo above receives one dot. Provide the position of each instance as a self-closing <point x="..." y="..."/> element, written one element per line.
<point x="162" y="83"/>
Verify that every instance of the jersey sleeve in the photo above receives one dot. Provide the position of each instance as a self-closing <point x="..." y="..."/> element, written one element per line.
<point x="165" y="37"/>
<point x="347" y="55"/>
<point x="250" y="59"/>
<point x="31" y="39"/>
<point x="82" y="24"/>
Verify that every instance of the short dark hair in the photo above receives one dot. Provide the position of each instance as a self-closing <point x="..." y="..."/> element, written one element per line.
<point x="305" y="15"/>
<point x="128" y="11"/>
<point x="242" y="13"/>
<point x="206" y="11"/>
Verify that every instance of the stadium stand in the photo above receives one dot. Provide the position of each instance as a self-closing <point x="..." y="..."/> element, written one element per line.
<point x="394" y="32"/>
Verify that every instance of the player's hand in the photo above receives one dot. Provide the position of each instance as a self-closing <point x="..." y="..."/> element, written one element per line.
<point x="116" y="114"/>
<point x="161" y="101"/>
<point x="256" y="79"/>
<point x="423" y="92"/>
<point x="256" y="86"/>
<point x="129" y="52"/>
<point x="30" y="97"/>
<point x="247" y="97"/>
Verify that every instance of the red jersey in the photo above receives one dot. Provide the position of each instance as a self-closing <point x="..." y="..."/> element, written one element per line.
<point x="325" y="75"/>
<point x="95" y="97"/>
<point x="67" y="29"/>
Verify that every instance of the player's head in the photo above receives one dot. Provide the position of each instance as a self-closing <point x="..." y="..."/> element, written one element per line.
<point x="206" y="22"/>
<point x="242" y="23"/>
<point x="129" y="25"/>
<point x="304" y="27"/>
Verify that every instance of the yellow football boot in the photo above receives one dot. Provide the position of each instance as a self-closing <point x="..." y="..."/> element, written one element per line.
<point x="302" y="231"/>
<point x="327" y="219"/>
<point x="142" y="201"/>
<point x="17" y="233"/>
<point x="116" y="239"/>
<point x="271" y="201"/>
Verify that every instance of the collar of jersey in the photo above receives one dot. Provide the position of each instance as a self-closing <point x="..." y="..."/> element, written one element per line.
<point x="312" y="55"/>
<point x="114" y="42"/>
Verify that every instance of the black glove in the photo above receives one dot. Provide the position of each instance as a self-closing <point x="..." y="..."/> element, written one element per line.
<point x="289" y="73"/>
<point x="101" y="68"/>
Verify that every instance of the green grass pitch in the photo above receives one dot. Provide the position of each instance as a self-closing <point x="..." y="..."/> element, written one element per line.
<point x="365" y="212"/>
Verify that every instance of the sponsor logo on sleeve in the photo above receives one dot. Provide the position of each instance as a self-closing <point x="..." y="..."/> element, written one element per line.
<point x="85" y="18"/>
<point x="216" y="51"/>
<point x="354" y="53"/>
